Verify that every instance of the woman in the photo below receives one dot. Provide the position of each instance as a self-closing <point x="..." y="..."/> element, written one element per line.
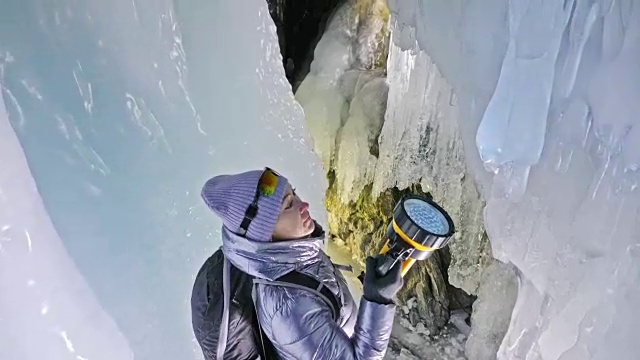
<point x="268" y="233"/>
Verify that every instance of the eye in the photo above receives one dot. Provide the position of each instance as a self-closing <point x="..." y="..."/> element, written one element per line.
<point x="289" y="202"/>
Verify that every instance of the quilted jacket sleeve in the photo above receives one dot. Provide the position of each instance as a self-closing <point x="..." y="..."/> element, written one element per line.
<point x="301" y="327"/>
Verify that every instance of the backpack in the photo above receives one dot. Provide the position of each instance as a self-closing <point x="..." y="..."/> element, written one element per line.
<point x="245" y="339"/>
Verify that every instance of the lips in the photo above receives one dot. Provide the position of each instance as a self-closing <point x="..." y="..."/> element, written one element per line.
<point x="306" y="217"/>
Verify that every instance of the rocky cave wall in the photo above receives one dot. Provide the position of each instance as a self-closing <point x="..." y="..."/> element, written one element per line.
<point x="455" y="276"/>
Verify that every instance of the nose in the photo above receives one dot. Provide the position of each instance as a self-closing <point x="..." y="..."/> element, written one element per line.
<point x="303" y="207"/>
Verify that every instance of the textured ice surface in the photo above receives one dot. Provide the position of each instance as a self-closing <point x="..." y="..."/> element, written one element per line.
<point x="421" y="142"/>
<point x="491" y="311"/>
<point x="319" y="93"/>
<point x="122" y="110"/>
<point x="563" y="204"/>
<point x="359" y="135"/>
<point x="47" y="310"/>
<point x="521" y="100"/>
<point x="344" y="97"/>
<point x="420" y="104"/>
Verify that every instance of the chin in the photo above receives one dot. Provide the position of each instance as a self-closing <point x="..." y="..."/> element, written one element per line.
<point x="308" y="229"/>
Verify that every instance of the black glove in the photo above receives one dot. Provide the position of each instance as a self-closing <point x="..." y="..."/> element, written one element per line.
<point x="381" y="290"/>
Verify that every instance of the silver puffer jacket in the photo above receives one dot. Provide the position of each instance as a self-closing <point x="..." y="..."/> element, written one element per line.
<point x="297" y="321"/>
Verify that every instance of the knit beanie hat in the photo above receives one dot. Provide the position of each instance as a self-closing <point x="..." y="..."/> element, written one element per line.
<point x="229" y="196"/>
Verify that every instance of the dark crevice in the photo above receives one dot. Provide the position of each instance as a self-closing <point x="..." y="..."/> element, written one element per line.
<point x="300" y="25"/>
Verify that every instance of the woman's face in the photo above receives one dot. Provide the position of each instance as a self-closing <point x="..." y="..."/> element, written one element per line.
<point x="294" y="221"/>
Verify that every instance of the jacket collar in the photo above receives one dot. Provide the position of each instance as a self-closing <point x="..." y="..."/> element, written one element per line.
<point x="272" y="259"/>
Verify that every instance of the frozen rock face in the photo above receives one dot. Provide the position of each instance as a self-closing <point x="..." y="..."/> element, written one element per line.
<point x="374" y="148"/>
<point x="343" y="89"/>
<point x="420" y="143"/>
<point x="357" y="140"/>
<point x="562" y="198"/>
<point x="497" y="292"/>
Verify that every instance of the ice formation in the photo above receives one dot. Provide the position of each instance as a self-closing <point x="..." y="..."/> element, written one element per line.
<point x="419" y="141"/>
<point x="319" y="93"/>
<point x="47" y="310"/>
<point x="543" y="94"/>
<point x="563" y="203"/>
<point x="344" y="96"/>
<point x="122" y="113"/>
<point x="394" y="131"/>
<point x="122" y="93"/>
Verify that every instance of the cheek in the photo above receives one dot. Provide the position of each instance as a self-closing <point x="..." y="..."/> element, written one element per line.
<point x="293" y="219"/>
<point x="288" y="222"/>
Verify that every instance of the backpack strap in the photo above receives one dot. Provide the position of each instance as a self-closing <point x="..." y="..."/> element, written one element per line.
<point x="224" y="326"/>
<point x="295" y="279"/>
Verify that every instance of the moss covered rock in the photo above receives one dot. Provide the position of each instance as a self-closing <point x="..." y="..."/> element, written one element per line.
<point x="361" y="226"/>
